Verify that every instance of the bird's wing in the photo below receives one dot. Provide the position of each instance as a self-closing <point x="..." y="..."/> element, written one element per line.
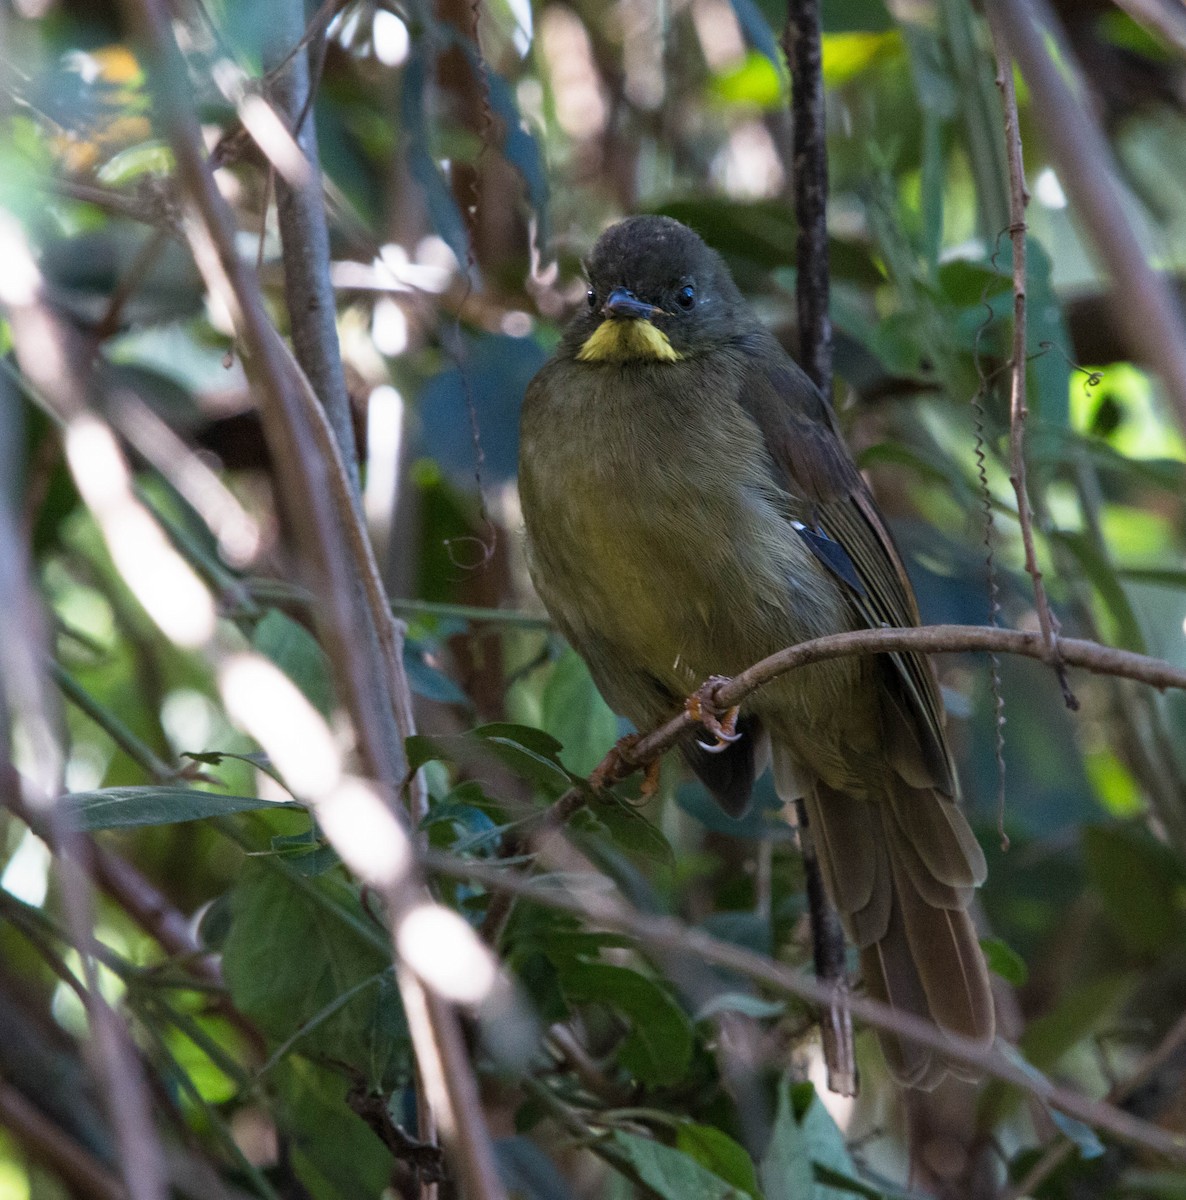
<point x="838" y="519"/>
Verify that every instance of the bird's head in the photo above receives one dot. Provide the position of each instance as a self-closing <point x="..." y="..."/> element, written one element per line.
<point x="656" y="293"/>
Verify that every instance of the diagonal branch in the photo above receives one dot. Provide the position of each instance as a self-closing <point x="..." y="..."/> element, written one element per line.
<point x="668" y="935"/>
<point x="1142" y="302"/>
<point x="1018" y="406"/>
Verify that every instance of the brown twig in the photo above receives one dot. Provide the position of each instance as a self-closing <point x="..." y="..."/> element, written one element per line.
<point x="1058" y="1153"/>
<point x="927" y="639"/>
<point x="801" y="43"/>
<point x="53" y="357"/>
<point x="1018" y="406"/>
<point x="667" y="935"/>
<point x="1142" y="302"/>
<point x="304" y="234"/>
<point x="373" y="688"/>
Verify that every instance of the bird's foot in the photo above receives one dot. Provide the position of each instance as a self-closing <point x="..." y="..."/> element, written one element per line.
<point x="620" y="763"/>
<point x="703" y="708"/>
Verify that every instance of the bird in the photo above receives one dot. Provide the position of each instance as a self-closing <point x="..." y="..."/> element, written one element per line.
<point x="690" y="507"/>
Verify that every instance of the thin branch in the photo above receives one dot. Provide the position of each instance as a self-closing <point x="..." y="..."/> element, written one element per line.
<point x="1018" y="406"/>
<point x="928" y="639"/>
<point x="304" y="235"/>
<point x="1057" y="1154"/>
<point x="802" y="46"/>
<point x="48" y="1144"/>
<point x="1142" y="302"/>
<point x="53" y="357"/>
<point x="667" y="935"/>
<point x="372" y="684"/>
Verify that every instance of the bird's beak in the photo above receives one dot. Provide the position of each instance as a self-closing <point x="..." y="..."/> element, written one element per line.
<point x="625" y="305"/>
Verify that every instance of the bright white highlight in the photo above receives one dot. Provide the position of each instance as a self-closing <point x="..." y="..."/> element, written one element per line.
<point x="389" y="327"/>
<point x="390" y="38"/>
<point x="172" y="595"/>
<point x="385" y="428"/>
<point x="366" y="833"/>
<point x="1048" y="190"/>
<point x="27" y="874"/>
<point x="20" y="281"/>
<point x="524" y="28"/>
<point x="270" y="133"/>
<point x="446" y="954"/>
<point x="261" y="699"/>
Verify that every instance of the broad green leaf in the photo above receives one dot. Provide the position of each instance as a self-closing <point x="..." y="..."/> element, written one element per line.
<point x="720" y="1154"/>
<point x="670" y="1173"/>
<point x="156" y="804"/>
<point x="575" y="714"/>
<point x="1077" y="1015"/>
<point x="334" y="1153"/>
<point x="294" y="948"/>
<point x="658" y="1049"/>
<point x="530" y="753"/>
<point x="638" y="838"/>
<point x="785" y="1170"/>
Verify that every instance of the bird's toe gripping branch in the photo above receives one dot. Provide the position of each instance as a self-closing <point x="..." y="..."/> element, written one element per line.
<point x="702" y="706"/>
<point x="620" y="763"/>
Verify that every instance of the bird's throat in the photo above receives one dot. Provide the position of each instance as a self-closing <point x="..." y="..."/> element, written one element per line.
<point x="627" y="340"/>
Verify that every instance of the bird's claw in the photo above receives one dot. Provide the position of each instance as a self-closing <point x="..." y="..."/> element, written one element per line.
<point x="702" y="707"/>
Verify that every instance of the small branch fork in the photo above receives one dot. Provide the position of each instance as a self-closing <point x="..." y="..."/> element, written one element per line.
<point x="1018" y="407"/>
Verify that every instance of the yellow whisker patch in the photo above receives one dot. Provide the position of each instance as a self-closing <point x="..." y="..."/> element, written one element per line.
<point x="622" y="341"/>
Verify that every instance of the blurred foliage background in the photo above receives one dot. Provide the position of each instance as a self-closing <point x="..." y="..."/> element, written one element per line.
<point x="462" y="187"/>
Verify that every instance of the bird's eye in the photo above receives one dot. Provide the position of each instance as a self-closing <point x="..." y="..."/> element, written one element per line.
<point x="591" y="298"/>
<point x="686" y="296"/>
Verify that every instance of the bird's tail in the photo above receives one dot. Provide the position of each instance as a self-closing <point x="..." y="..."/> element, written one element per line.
<point x="901" y="870"/>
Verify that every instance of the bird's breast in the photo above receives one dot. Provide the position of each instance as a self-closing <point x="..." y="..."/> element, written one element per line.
<point x="654" y="523"/>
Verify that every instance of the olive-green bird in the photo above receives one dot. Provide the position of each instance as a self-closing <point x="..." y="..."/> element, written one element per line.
<point x="691" y="508"/>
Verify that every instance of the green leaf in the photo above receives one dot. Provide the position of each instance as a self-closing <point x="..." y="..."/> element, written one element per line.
<point x="670" y="1173"/>
<point x="576" y="715"/>
<point x="295" y="947"/>
<point x="334" y="1153"/>
<point x="1104" y="578"/>
<point x="530" y="753"/>
<point x="658" y="1049"/>
<point x="296" y="652"/>
<point x="156" y="804"/>
<point x="1078" y="1014"/>
<point x="638" y="838"/>
<point x="720" y="1154"/>
<point x="785" y="1171"/>
<point x="1140" y="883"/>
<point x="1005" y="961"/>
<point x="825" y="1142"/>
